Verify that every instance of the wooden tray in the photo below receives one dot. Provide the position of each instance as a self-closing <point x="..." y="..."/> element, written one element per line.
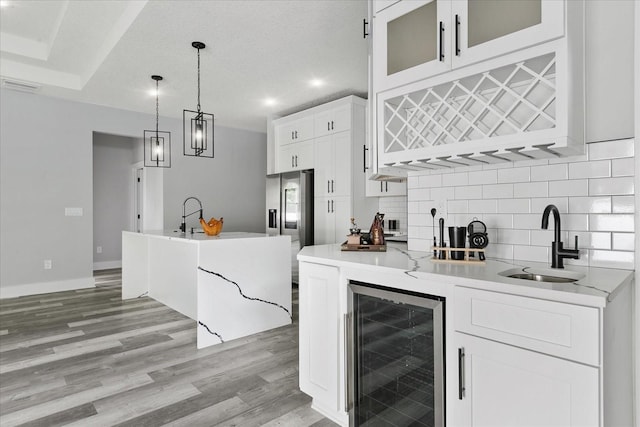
<point x="363" y="248"/>
<point x="466" y="260"/>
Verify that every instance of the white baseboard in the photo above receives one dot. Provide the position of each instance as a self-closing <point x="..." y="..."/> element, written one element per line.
<point x="106" y="265"/>
<point x="46" y="287"/>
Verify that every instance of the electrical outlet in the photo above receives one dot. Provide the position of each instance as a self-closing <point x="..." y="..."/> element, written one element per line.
<point x="99" y="249"/>
<point x="48" y="265"/>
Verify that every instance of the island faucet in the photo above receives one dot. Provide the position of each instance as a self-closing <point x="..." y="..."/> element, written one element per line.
<point x="183" y="226"/>
<point x="558" y="253"/>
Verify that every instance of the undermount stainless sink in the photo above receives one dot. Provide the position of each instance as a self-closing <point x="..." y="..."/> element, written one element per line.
<point x="548" y="276"/>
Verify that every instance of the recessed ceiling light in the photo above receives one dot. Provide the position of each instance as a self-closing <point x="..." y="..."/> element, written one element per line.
<point x="316" y="83"/>
<point x="4" y="3"/>
<point x="269" y="102"/>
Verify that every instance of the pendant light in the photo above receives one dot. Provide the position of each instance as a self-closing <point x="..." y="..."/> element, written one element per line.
<point x="157" y="144"/>
<point x="197" y="127"/>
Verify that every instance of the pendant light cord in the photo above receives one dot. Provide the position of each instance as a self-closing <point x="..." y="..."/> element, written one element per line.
<point x="198" y="80"/>
<point x="157" y="109"/>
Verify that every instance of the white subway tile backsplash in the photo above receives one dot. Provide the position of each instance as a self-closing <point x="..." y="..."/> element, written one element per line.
<point x="454" y="179"/>
<point x="594" y="193"/>
<point x="484" y="177"/>
<point x="600" y="204"/>
<point x="497" y="191"/>
<point x="538" y="205"/>
<point x="494" y="221"/>
<point x="513" y="237"/>
<point x="468" y="192"/>
<point x="483" y="206"/>
<point x="574" y="222"/>
<point x="611" y="259"/>
<point x="527" y="221"/>
<point x="623" y="167"/>
<point x="531" y="189"/>
<point x="623" y="204"/>
<point x="611" y="186"/>
<point x="514" y="206"/>
<point x="613" y="222"/>
<point x="549" y="172"/>
<point x="573" y="187"/>
<point x="597" y="169"/>
<point x="531" y="253"/>
<point x="518" y="174"/>
<point x="418" y="194"/>
<point x="611" y="149"/>
<point x="457" y="206"/>
<point x="624" y="241"/>
<point x="428" y="181"/>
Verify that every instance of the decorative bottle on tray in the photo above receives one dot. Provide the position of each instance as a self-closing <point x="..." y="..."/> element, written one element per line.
<point x="377" y="231"/>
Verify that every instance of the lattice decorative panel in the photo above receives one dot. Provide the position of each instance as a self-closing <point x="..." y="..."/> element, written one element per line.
<point x="513" y="99"/>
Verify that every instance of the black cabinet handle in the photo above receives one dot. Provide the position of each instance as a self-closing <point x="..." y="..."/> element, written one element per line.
<point x="296" y="160"/>
<point x="296" y="134"/>
<point x="381" y="186"/>
<point x="292" y="135"/>
<point x="292" y="161"/>
<point x="364" y="28"/>
<point x="328" y="126"/>
<point x="457" y="35"/>
<point x="331" y="124"/>
<point x="386" y="187"/>
<point x="328" y="204"/>
<point x="441" y="41"/>
<point x="328" y="187"/>
<point x="332" y="206"/>
<point x="364" y="158"/>
<point x="461" y="389"/>
<point x="332" y="190"/>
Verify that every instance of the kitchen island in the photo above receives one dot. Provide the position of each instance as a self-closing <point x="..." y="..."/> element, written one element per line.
<point x="514" y="352"/>
<point x="234" y="284"/>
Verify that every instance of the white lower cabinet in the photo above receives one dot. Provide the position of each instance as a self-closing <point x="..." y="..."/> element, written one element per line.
<point x="319" y="335"/>
<point x="506" y="386"/>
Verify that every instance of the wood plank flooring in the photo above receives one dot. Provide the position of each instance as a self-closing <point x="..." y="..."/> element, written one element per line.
<point x="87" y="358"/>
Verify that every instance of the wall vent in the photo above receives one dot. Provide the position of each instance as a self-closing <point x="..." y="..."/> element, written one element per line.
<point x="22" y="86"/>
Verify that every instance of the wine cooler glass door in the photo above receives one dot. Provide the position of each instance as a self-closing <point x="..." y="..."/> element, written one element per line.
<point x="395" y="358"/>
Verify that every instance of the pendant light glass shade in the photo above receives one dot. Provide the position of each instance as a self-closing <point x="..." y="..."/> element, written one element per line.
<point x="157" y="143"/>
<point x="197" y="126"/>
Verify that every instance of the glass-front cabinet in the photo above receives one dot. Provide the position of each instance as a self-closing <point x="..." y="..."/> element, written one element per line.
<point x="418" y="39"/>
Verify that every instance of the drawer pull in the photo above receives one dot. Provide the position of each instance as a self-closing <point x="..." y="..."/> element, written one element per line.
<point x="461" y="388"/>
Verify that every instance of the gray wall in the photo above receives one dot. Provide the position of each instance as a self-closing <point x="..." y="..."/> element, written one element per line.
<point x="113" y="159"/>
<point x="46" y="165"/>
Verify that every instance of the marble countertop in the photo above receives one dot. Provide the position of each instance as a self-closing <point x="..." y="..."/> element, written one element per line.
<point x="595" y="286"/>
<point x="199" y="236"/>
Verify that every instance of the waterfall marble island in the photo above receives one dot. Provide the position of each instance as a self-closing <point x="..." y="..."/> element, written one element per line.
<point x="233" y="285"/>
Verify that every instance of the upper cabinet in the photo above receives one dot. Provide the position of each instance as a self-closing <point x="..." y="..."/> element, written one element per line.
<point x="294" y="131"/>
<point x="418" y="39"/>
<point x="457" y="83"/>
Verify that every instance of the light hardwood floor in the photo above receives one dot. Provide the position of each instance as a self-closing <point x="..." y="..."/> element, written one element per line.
<point x="87" y="358"/>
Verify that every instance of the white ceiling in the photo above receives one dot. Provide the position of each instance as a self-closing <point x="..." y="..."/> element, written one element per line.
<point x="104" y="52"/>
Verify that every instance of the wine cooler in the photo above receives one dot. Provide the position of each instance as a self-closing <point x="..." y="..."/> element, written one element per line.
<point x="395" y="354"/>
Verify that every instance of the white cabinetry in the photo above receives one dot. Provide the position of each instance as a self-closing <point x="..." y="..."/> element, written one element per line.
<point x="319" y="336"/>
<point x="458" y="83"/>
<point x="509" y="386"/>
<point x="427" y="37"/>
<point x="332" y="175"/>
<point x="386" y="188"/>
<point x="517" y="355"/>
<point x="331" y="219"/>
<point x="296" y="156"/>
<point x="331" y="121"/>
<point x="294" y="131"/>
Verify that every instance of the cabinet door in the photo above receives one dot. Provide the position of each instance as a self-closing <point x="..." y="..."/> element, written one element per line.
<point x="323" y="173"/>
<point x="484" y="29"/>
<point x="341" y="210"/>
<point x="323" y="221"/>
<point x="506" y="386"/>
<point x="410" y="42"/>
<point x="386" y="188"/>
<point x="341" y="179"/>
<point x="286" y="160"/>
<point x="319" y="334"/>
<point x="294" y="131"/>
<point x="303" y="155"/>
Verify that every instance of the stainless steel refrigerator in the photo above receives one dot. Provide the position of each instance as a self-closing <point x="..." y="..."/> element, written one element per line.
<point x="290" y="210"/>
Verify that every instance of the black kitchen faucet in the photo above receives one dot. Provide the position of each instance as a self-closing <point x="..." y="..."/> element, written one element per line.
<point x="558" y="253"/>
